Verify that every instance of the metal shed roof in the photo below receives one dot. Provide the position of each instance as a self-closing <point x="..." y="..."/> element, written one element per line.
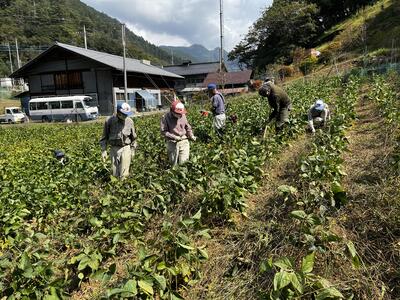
<point x="113" y="61"/>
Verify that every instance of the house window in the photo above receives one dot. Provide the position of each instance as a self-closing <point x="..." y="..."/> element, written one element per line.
<point x="75" y="80"/>
<point x="61" y="81"/>
<point x="70" y="80"/>
<point x="47" y="81"/>
<point x="120" y="96"/>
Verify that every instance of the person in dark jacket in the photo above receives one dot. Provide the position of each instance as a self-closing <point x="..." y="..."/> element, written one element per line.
<point x="279" y="102"/>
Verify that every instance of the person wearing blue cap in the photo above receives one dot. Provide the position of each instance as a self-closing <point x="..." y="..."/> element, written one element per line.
<point x="318" y="115"/>
<point x="119" y="133"/>
<point x="218" y="108"/>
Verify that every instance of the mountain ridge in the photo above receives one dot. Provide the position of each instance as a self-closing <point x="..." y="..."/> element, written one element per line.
<point x="197" y="53"/>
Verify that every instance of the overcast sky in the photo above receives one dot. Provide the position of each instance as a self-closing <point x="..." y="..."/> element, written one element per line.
<point x="184" y="22"/>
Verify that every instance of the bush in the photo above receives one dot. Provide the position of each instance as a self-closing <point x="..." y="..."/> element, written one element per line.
<point x="308" y="65"/>
<point x="286" y="71"/>
<point x="299" y="54"/>
<point x="325" y="57"/>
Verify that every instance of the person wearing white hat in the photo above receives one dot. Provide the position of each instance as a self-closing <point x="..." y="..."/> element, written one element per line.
<point x="318" y="115"/>
<point x="176" y="130"/>
<point x="119" y="133"/>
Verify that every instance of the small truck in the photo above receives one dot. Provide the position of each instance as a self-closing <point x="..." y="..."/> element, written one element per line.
<point x="13" y="115"/>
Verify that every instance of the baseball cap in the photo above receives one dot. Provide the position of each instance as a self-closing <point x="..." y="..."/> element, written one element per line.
<point x="124" y="108"/>
<point x="319" y="104"/>
<point x="178" y="107"/>
<point x="59" y="153"/>
<point x="269" y="79"/>
<point x="212" y="86"/>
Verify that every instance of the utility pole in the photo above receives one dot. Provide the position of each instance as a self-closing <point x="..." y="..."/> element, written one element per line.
<point x="84" y="36"/>
<point x="9" y="53"/>
<point x="172" y="57"/>
<point x="124" y="62"/>
<point x="221" y="25"/>
<point x="18" y="60"/>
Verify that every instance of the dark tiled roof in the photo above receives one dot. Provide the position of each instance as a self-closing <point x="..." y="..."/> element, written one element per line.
<point x="240" y="77"/>
<point x="113" y="61"/>
<point x="193" y="68"/>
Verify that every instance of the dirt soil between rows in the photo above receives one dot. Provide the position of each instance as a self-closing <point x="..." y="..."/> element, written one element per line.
<point x="235" y="245"/>
<point x="370" y="219"/>
<point x="372" y="216"/>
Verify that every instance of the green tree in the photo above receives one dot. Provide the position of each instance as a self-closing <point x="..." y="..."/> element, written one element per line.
<point x="281" y="28"/>
<point x="334" y="11"/>
<point x="286" y="25"/>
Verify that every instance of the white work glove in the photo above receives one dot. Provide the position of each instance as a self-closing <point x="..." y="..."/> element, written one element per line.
<point x="313" y="131"/>
<point x="104" y="155"/>
<point x="178" y="138"/>
<point x="193" y="138"/>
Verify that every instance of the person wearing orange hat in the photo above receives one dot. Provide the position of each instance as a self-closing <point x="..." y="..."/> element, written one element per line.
<point x="177" y="131"/>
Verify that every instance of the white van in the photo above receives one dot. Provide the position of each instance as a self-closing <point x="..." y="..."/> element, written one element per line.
<point x="65" y="108"/>
<point x="13" y="115"/>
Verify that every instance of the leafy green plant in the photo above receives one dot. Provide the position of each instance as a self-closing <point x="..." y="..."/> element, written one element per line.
<point x="292" y="283"/>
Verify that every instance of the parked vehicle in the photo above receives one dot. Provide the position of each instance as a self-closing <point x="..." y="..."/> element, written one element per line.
<point x="13" y="115"/>
<point x="66" y="108"/>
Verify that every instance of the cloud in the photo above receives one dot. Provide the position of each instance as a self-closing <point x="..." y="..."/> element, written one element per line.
<point x="162" y="38"/>
<point x="184" y="22"/>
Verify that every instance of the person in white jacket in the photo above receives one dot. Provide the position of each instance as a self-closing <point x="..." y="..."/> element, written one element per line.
<point x="318" y="115"/>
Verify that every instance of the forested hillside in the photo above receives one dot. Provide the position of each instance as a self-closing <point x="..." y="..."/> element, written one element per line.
<point x="37" y="24"/>
<point x="287" y="26"/>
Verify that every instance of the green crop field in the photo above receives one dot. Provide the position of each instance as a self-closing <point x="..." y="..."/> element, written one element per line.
<point x="75" y="231"/>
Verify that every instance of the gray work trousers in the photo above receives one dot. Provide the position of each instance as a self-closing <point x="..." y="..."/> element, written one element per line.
<point x="120" y="160"/>
<point x="282" y="118"/>
<point x="219" y="121"/>
<point x="178" y="152"/>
